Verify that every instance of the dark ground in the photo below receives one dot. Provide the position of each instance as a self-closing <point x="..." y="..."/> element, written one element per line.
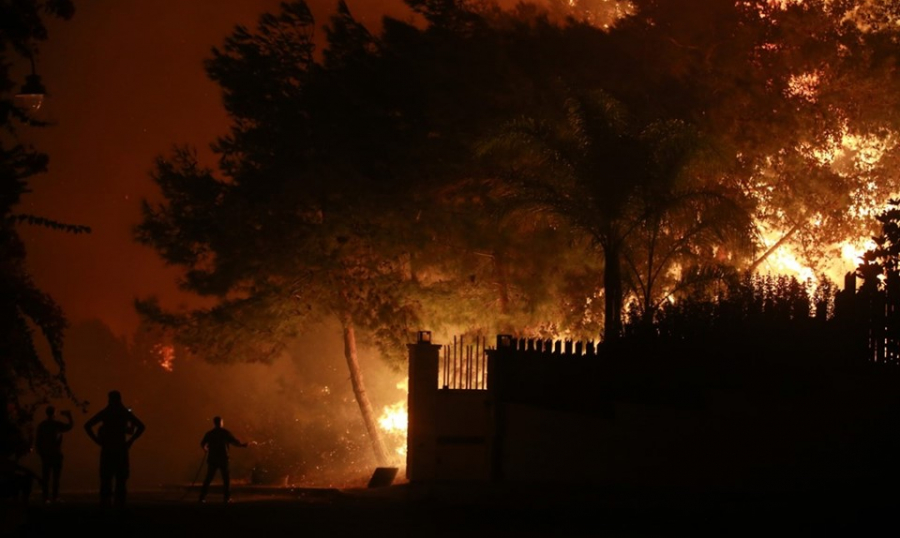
<point x="441" y="510"/>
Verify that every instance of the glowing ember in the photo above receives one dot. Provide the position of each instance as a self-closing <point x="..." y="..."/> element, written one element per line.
<point x="804" y="86"/>
<point x="166" y="356"/>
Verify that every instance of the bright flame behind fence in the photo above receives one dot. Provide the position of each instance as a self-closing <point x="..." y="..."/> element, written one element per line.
<point x="394" y="421"/>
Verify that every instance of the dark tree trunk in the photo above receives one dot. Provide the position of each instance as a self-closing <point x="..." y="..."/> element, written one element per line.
<point x="790" y="233"/>
<point x="502" y="282"/>
<point x="612" y="286"/>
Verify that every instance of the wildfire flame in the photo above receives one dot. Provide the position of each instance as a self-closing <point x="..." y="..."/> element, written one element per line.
<point x="165" y="356"/>
<point x="394" y="421"/>
<point x="785" y="261"/>
<point x="845" y="153"/>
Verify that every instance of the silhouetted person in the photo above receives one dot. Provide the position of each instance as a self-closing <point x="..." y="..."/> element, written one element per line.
<point x="216" y="442"/>
<point x="119" y="429"/>
<point x="48" y="444"/>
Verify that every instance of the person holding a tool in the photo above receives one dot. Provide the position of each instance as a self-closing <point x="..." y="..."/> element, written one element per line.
<point x="216" y="443"/>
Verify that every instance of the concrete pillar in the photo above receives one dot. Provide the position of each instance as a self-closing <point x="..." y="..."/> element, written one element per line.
<point x="497" y="361"/>
<point x="421" y="450"/>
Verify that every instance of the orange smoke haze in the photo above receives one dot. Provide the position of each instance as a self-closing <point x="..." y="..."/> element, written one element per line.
<point x="299" y="412"/>
<point x="125" y="82"/>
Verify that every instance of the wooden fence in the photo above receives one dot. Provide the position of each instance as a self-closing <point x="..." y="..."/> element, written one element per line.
<point x="870" y="317"/>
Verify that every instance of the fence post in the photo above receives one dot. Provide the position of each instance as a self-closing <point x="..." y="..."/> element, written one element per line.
<point x="892" y="317"/>
<point x="850" y="320"/>
<point x="498" y="359"/>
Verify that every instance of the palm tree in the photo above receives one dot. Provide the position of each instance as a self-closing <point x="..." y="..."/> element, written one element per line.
<point x="642" y="192"/>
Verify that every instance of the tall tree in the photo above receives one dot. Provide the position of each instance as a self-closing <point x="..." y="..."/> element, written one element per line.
<point x="25" y="380"/>
<point x="477" y="270"/>
<point x="296" y="224"/>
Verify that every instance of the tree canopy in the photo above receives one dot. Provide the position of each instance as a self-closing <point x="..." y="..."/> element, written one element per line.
<point x="666" y="144"/>
<point x="630" y="188"/>
<point x="805" y="93"/>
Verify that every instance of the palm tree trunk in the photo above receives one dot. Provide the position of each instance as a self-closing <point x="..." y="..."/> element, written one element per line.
<point x="612" y="285"/>
<point x="359" y="391"/>
<point x="502" y="283"/>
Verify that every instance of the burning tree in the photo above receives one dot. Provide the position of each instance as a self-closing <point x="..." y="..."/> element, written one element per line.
<point x="794" y="96"/>
<point x="803" y="94"/>
<point x="793" y="102"/>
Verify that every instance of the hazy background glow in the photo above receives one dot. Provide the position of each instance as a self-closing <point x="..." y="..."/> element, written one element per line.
<point x="125" y="82"/>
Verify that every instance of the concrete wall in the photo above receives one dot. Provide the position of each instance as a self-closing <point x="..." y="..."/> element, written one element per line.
<point x="580" y="420"/>
<point x="463" y="435"/>
<point x="740" y="440"/>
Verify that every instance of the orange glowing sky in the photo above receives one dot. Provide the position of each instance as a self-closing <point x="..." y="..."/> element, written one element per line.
<point x="125" y="82"/>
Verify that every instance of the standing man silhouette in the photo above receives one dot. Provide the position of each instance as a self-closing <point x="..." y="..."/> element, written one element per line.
<point x="119" y="429"/>
<point x="48" y="444"/>
<point x="216" y="442"/>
